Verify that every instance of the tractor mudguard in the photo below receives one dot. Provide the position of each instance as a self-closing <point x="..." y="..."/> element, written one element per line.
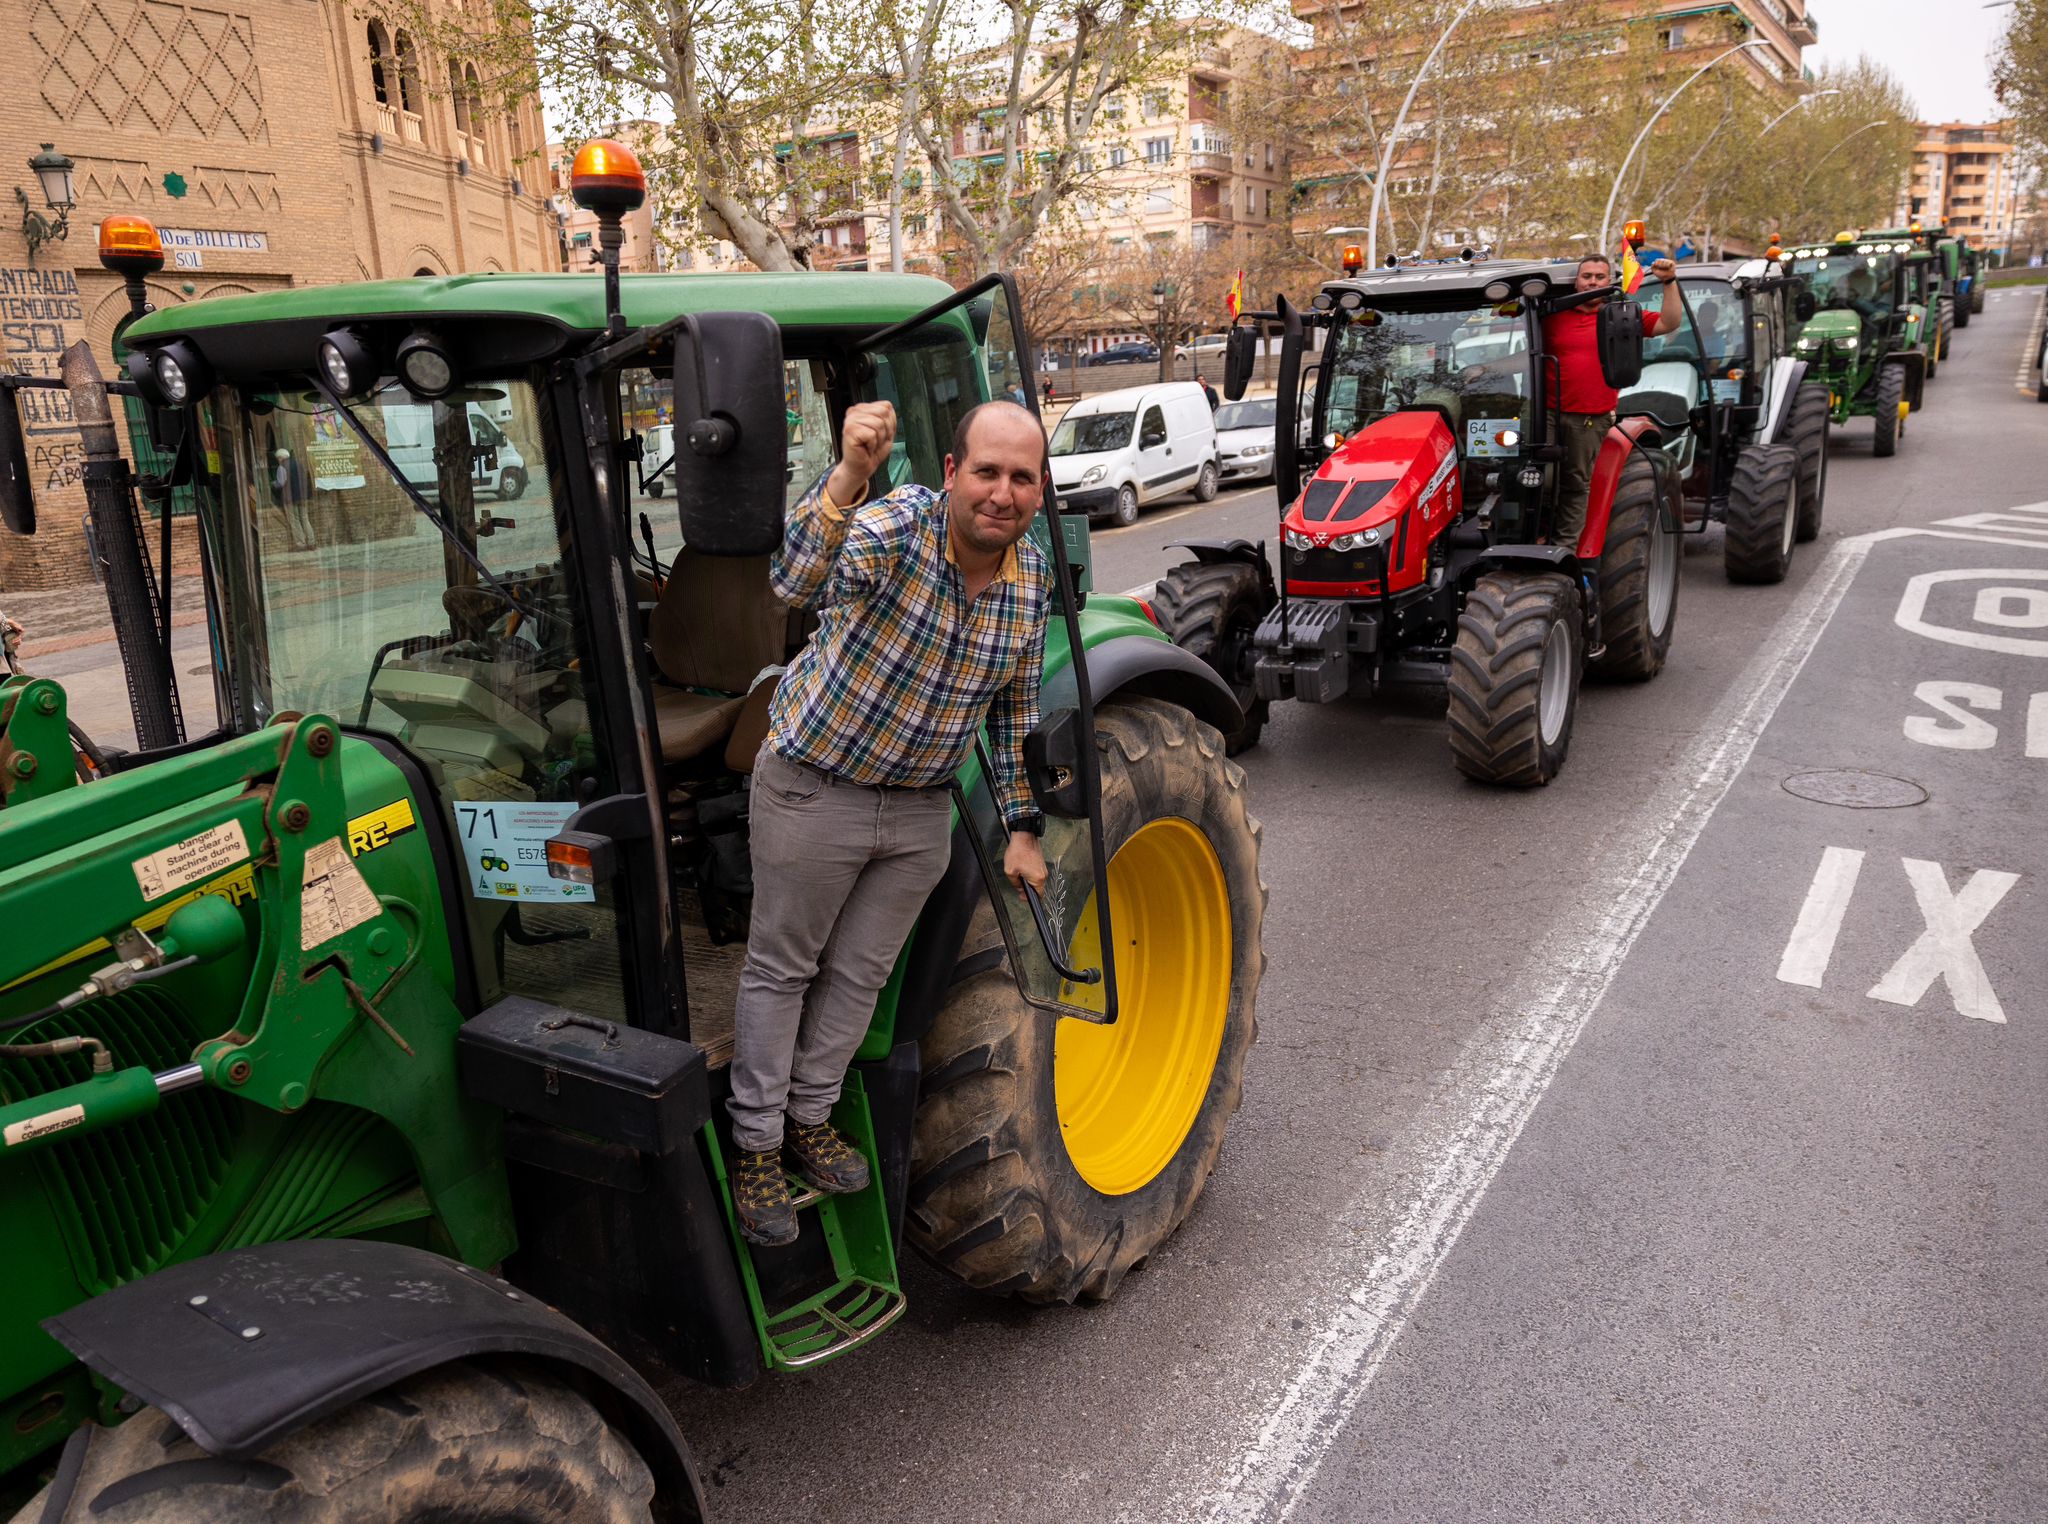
<point x="1220" y="552"/>
<point x="1788" y="393"/>
<point x="1621" y="441"/>
<point x="1147" y="668"/>
<point x="1914" y="362"/>
<point x="1555" y="558"/>
<point x="244" y="1348"/>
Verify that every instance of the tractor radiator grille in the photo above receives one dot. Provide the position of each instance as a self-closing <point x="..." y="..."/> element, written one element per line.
<point x="128" y="1197"/>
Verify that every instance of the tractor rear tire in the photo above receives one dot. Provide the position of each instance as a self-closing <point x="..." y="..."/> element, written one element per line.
<point x="1891" y="391"/>
<point x="1963" y="310"/>
<point x="1514" y="684"/>
<point x="1978" y="291"/>
<point x="1763" y="514"/>
<point x="997" y="1198"/>
<point x="1944" y="326"/>
<point x="503" y="1441"/>
<point x="1808" y="434"/>
<point x="1212" y="612"/>
<point x="1638" y="577"/>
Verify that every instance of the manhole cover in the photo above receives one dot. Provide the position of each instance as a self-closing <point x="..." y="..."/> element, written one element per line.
<point x="1857" y="790"/>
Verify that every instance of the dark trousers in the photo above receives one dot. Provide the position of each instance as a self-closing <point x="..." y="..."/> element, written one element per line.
<point x="1581" y="435"/>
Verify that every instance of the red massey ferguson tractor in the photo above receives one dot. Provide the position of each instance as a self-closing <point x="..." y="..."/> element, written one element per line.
<point x="1419" y="551"/>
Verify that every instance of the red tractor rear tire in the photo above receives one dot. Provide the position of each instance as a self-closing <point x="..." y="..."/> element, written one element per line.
<point x="1514" y="685"/>
<point x="1638" y="577"/>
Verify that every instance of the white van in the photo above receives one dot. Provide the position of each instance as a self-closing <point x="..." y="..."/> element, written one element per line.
<point x="1114" y="453"/>
<point x="498" y="467"/>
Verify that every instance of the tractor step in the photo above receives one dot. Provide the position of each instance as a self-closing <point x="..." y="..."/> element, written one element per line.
<point x="837" y="1286"/>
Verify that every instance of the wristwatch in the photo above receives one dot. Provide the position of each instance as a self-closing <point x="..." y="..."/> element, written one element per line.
<point x="1034" y="824"/>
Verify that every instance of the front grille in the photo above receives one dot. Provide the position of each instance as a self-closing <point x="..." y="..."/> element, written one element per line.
<point x="1335" y="565"/>
<point x="128" y="1197"/>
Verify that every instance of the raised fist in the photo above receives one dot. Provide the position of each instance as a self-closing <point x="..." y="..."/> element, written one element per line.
<point x="865" y="437"/>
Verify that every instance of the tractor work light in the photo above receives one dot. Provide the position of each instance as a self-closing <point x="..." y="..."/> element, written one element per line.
<point x="1351" y="301"/>
<point x="347" y="363"/>
<point x="1498" y="291"/>
<point x="606" y="177"/>
<point x="425" y="366"/>
<point x="1323" y="302"/>
<point x="130" y="245"/>
<point x="1534" y="287"/>
<point x="171" y="376"/>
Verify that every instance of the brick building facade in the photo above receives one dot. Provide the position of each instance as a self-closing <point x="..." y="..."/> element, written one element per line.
<point x="276" y="143"/>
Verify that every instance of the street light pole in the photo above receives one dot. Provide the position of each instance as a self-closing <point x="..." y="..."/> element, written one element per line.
<point x="1804" y="100"/>
<point x="1886" y="122"/>
<point x="1607" y="217"/>
<point x="1379" y="184"/>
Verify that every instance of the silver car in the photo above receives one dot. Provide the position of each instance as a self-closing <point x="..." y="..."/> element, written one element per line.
<point x="1244" y="438"/>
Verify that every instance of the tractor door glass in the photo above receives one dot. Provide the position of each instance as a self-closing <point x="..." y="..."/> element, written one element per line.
<point x="933" y="372"/>
<point x="1471" y="364"/>
<point x="342" y="599"/>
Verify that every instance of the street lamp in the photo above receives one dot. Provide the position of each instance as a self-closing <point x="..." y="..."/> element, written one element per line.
<point x="53" y="173"/>
<point x="1379" y="184"/>
<point x="1607" y="217"/>
<point x="1804" y="100"/>
<point x="1886" y="122"/>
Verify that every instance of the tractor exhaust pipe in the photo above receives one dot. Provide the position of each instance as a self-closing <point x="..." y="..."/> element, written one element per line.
<point x="139" y="628"/>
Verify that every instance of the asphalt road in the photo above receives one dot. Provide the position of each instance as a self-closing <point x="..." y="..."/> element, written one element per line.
<point x="1550" y="1198"/>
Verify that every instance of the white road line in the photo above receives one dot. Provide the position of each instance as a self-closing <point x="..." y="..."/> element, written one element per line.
<point x="1820" y="919"/>
<point x="1467" y="1136"/>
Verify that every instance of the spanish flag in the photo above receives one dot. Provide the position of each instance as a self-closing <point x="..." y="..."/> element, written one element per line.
<point x="1631" y="269"/>
<point x="1233" y="299"/>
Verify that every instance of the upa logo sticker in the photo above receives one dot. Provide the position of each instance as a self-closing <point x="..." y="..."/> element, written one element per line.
<point x="191" y="860"/>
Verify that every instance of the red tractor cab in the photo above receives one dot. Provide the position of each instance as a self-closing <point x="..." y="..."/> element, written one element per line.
<point x="1420" y="403"/>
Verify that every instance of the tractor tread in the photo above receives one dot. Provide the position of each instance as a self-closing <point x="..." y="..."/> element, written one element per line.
<point x="1891" y="391"/>
<point x="1493" y="712"/>
<point x="1198" y="606"/>
<point x="1807" y="433"/>
<point x="1761" y="492"/>
<point x="1633" y="651"/>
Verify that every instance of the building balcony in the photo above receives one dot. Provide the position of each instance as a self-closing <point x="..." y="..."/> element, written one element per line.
<point x="1219" y="214"/>
<point x="1804" y="29"/>
<point x="1209" y="162"/>
<point x="473" y="148"/>
<point x="411" y="128"/>
<point x="387" y="119"/>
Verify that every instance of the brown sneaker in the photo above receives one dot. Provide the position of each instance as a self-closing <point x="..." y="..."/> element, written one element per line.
<point x="760" y="1195"/>
<point x="825" y="1160"/>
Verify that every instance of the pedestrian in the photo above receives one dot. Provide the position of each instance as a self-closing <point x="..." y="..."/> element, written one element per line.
<point x="1583" y="410"/>
<point x="1048" y="391"/>
<point x="1208" y="392"/>
<point x="290" y="491"/>
<point x="931" y="621"/>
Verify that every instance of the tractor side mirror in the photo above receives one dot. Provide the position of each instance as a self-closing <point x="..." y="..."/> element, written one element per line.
<point x="1621" y="343"/>
<point x="732" y="433"/>
<point x="17" y="493"/>
<point x="1804" y="306"/>
<point x="1052" y="765"/>
<point x="1240" y="355"/>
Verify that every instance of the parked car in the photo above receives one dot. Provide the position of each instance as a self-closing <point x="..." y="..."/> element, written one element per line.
<point x="1112" y="454"/>
<point x="1202" y="347"/>
<point x="1136" y="352"/>
<point x="2041" y="371"/>
<point x="1244" y="438"/>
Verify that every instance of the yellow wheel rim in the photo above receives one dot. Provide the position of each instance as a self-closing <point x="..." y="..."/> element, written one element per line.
<point x="1129" y="1093"/>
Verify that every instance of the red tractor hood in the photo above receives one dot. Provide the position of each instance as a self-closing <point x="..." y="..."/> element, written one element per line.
<point x="1398" y="476"/>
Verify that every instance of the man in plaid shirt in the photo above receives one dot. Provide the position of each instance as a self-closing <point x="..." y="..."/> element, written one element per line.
<point x="931" y="621"/>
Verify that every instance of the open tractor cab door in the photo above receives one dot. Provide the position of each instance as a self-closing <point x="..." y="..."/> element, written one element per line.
<point x="366" y="1055"/>
<point x="1754" y="449"/>
<point x="1864" y="340"/>
<point x="1418" y="403"/>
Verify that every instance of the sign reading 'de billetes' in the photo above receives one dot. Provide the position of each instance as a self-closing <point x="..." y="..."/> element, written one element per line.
<point x="187" y="246"/>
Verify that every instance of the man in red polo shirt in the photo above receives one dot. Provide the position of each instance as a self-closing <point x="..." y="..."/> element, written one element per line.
<point x="1583" y="410"/>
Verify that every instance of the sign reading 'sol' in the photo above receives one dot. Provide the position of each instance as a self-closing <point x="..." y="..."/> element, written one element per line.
<point x="188" y="247"/>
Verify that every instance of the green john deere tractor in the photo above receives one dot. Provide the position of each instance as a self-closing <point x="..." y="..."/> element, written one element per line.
<point x="1866" y="337"/>
<point x="362" y="1053"/>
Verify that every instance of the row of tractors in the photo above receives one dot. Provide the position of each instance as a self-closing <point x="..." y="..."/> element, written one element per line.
<point x="1420" y="463"/>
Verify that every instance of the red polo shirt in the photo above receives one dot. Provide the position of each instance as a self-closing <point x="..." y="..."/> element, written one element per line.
<point x="1574" y="337"/>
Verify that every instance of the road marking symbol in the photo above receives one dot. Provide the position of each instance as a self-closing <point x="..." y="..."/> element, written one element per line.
<point x="1967" y="733"/>
<point x="1944" y="950"/>
<point x="1912" y="612"/>
<point x="1820" y="918"/>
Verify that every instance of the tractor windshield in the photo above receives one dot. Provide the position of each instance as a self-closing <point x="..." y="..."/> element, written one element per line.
<point x="1717" y="329"/>
<point x="1470" y="362"/>
<point x="1851" y="281"/>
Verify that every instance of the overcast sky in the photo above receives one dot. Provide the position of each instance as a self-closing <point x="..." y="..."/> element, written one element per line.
<point x="1940" y="51"/>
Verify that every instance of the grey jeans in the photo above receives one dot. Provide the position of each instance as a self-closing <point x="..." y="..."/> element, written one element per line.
<point x="840" y="874"/>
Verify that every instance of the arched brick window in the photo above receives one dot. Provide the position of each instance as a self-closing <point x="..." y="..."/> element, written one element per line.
<point x="380" y="58"/>
<point x="410" y="96"/>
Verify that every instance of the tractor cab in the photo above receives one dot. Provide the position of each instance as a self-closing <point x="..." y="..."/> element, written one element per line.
<point x="1865" y="338"/>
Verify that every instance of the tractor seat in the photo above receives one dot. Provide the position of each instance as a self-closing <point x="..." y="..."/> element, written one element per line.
<point x="1666" y="408"/>
<point x="715" y="627"/>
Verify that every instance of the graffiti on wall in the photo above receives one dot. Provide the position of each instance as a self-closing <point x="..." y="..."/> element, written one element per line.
<point x="35" y="307"/>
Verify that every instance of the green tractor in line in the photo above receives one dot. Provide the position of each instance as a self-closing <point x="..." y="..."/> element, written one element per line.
<point x="362" y="1058"/>
<point x="1867" y="337"/>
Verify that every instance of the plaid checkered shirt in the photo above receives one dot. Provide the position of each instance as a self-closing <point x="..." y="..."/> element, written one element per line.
<point x="903" y="671"/>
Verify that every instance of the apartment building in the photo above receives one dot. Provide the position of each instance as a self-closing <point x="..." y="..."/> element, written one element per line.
<point x="1965" y="174"/>
<point x="276" y="143"/>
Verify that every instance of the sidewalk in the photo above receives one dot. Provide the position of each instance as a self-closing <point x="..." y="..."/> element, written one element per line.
<point x="65" y="618"/>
